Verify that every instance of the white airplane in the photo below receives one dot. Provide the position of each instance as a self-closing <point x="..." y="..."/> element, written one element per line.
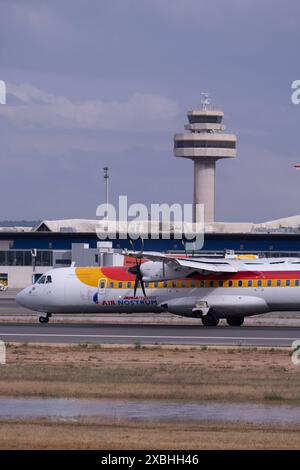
<point x="204" y="288"/>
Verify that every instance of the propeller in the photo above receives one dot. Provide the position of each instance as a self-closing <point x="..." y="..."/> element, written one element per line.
<point x="137" y="271"/>
<point x="184" y="247"/>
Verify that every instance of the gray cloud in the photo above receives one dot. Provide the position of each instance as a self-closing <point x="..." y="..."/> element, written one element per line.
<point x="41" y="110"/>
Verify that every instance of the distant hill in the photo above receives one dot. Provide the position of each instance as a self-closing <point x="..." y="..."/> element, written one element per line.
<point x="19" y="223"/>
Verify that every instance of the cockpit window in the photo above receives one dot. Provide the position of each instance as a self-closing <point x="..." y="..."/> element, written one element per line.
<point x="48" y="279"/>
<point x="41" y="280"/>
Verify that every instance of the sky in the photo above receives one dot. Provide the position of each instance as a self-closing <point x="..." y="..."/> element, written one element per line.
<point x="108" y="82"/>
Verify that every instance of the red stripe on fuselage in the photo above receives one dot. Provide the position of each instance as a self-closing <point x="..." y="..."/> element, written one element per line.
<point x="121" y="274"/>
<point x="118" y="273"/>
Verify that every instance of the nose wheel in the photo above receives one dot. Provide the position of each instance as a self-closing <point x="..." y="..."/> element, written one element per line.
<point x="45" y="318"/>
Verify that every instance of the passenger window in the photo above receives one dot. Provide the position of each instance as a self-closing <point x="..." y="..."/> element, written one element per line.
<point x="240" y="283"/>
<point x="202" y="283"/>
<point x="111" y="285"/>
<point x="183" y="284"/>
<point x="287" y="283"/>
<point x="120" y="285"/>
<point x="211" y="283"/>
<point x="173" y="283"/>
<point x="278" y="283"/>
<point x="259" y="283"/>
<point x="220" y="283"/>
<point x="249" y="283"/>
<point x="193" y="284"/>
<point x="230" y="283"/>
<point x="165" y="284"/>
<point x="296" y="282"/>
<point x="128" y="285"/>
<point x="48" y="280"/>
<point x="269" y="283"/>
<point x="156" y="284"/>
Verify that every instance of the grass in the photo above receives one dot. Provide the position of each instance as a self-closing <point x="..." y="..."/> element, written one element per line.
<point x="273" y="396"/>
<point x="137" y="344"/>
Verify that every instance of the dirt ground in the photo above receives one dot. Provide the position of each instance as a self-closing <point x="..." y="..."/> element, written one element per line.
<point x="162" y="372"/>
<point x="186" y="373"/>
<point x="132" y="435"/>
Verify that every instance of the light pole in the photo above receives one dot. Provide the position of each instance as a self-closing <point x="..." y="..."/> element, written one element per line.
<point x="106" y="180"/>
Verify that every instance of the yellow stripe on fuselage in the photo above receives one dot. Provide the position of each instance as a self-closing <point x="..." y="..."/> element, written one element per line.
<point x="90" y="276"/>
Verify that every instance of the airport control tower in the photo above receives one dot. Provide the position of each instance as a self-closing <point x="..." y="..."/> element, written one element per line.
<point x="205" y="142"/>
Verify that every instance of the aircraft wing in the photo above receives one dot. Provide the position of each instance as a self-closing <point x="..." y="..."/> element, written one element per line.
<point x="202" y="265"/>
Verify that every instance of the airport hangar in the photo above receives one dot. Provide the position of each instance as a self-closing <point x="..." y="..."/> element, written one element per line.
<point x="26" y="253"/>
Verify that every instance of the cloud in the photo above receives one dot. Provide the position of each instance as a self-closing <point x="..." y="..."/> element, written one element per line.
<point x="222" y="12"/>
<point x="35" y="109"/>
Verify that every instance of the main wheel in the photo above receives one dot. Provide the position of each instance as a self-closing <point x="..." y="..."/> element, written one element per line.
<point x="44" y="319"/>
<point x="211" y="319"/>
<point x="235" y="321"/>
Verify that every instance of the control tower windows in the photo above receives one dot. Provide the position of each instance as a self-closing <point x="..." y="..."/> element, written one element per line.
<point x="205" y="119"/>
<point x="205" y="144"/>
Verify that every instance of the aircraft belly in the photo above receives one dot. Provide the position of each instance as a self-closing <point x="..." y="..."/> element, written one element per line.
<point x="230" y="304"/>
<point x="286" y="298"/>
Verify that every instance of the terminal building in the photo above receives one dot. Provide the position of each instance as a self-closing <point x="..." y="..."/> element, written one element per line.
<point x="27" y="253"/>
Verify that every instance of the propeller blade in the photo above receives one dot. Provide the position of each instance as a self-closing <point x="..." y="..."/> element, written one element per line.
<point x="135" y="285"/>
<point x="142" y="283"/>
<point x="138" y="279"/>
<point x="184" y="247"/>
<point x="137" y="271"/>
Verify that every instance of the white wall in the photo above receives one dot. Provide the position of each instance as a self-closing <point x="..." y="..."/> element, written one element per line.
<point x="21" y="276"/>
<point x="4" y="245"/>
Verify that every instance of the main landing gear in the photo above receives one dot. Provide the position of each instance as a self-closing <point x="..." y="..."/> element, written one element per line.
<point x="235" y="321"/>
<point x="45" y="318"/>
<point x="210" y="319"/>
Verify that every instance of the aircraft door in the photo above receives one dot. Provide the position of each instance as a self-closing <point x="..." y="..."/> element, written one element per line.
<point x="102" y="285"/>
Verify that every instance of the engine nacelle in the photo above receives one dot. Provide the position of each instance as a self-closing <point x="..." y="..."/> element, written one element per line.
<point x="185" y="306"/>
<point x="157" y="271"/>
<point x="222" y="305"/>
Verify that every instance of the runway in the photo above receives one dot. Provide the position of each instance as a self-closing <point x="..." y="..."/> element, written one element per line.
<point x="148" y="334"/>
<point x="22" y="326"/>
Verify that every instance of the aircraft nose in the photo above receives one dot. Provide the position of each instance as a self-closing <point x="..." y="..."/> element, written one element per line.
<point x="20" y="297"/>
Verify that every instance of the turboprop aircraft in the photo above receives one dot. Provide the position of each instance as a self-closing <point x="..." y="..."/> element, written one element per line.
<point x="206" y="288"/>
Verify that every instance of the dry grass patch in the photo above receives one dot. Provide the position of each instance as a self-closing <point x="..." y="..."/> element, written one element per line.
<point x="173" y="373"/>
<point x="132" y="435"/>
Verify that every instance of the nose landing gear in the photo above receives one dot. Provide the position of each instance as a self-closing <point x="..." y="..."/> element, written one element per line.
<point x="45" y="318"/>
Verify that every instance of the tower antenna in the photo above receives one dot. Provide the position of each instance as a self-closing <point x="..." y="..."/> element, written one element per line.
<point x="205" y="101"/>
